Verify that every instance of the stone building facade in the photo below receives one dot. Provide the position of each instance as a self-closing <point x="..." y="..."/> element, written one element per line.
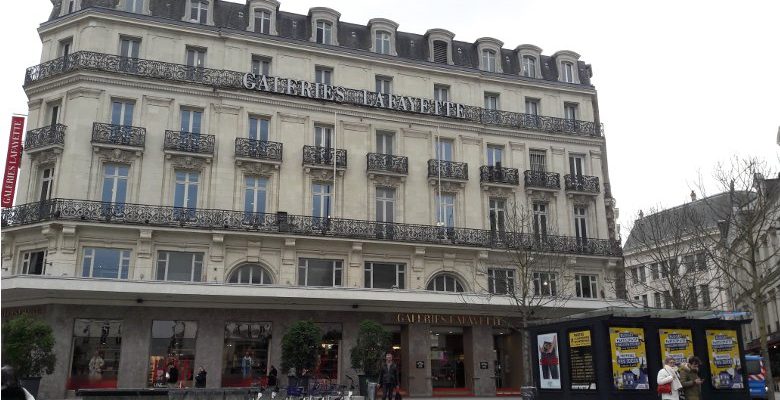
<point x="198" y="175"/>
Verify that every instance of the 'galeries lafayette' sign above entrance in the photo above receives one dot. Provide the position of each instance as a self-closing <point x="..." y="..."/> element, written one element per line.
<point x="339" y="94"/>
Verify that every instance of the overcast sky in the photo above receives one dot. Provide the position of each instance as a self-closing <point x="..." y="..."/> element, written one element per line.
<point x="681" y="84"/>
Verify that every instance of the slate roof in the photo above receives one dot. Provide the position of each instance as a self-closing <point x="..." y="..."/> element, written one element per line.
<point x="292" y="26"/>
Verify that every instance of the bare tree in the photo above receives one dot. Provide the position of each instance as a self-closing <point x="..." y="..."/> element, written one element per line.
<point x="664" y="257"/>
<point x="537" y="278"/>
<point x="742" y="252"/>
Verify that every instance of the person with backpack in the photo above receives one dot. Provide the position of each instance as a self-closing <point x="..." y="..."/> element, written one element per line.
<point x="669" y="381"/>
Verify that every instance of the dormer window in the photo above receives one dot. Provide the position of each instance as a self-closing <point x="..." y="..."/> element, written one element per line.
<point x="440" y="49"/>
<point x="529" y="66"/>
<point x="382" y="42"/>
<point x="566" y="61"/>
<point x="324" y="31"/>
<point x="489" y="60"/>
<point x="70" y="6"/>
<point x="262" y="21"/>
<point x="567" y="73"/>
<point x="440" y="46"/>
<point x="134" y="6"/>
<point x="199" y="11"/>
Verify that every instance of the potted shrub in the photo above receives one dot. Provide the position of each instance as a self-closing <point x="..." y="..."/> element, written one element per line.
<point x="373" y="341"/>
<point x="28" y="347"/>
<point x="300" y="347"/>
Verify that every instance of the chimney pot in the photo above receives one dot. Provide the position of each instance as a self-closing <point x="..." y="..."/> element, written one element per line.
<point x="693" y="195"/>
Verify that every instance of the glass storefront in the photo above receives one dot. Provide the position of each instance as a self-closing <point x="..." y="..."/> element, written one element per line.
<point x="245" y="359"/>
<point x="95" y="354"/>
<point x="328" y="364"/>
<point x="448" y="370"/>
<point x="172" y="353"/>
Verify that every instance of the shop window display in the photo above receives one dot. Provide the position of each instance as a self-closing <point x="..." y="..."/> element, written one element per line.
<point x="245" y="359"/>
<point x="328" y="363"/>
<point x="172" y="354"/>
<point x="95" y="354"/>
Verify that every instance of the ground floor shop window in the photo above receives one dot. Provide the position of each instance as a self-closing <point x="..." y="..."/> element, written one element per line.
<point x="448" y="370"/>
<point x="328" y="363"/>
<point x="95" y="354"/>
<point x="172" y="353"/>
<point x="245" y="359"/>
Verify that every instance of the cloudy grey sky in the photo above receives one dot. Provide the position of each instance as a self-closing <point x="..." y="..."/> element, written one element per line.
<point x="682" y="85"/>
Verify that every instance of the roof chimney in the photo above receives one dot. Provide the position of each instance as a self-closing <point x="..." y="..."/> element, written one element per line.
<point x="693" y="195"/>
<point x="641" y="214"/>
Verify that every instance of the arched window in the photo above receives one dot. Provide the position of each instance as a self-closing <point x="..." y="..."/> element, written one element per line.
<point x="445" y="283"/>
<point x="251" y="274"/>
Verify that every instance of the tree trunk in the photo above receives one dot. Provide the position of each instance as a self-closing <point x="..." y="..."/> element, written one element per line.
<point x="525" y="345"/>
<point x="760" y="308"/>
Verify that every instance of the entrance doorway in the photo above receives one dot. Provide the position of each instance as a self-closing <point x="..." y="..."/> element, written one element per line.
<point x="507" y="367"/>
<point x="448" y="368"/>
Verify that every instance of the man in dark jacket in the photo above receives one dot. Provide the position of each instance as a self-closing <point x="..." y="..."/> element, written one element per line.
<point x="388" y="377"/>
<point x="689" y="377"/>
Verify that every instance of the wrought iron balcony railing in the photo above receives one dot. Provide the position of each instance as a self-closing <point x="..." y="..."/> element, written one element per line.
<point x="118" y="134"/>
<point x="387" y="163"/>
<point x="542" y="180"/>
<point x="45" y="136"/>
<point x="496" y="174"/>
<point x="283" y="223"/>
<point x="315" y="155"/>
<point x="582" y="183"/>
<point x="189" y="142"/>
<point x="258" y="149"/>
<point x="449" y="169"/>
<point x="232" y="80"/>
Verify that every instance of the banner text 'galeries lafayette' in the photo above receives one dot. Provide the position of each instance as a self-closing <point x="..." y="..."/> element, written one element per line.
<point x="339" y="94"/>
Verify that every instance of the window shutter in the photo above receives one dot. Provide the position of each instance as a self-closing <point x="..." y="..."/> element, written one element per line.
<point x="440" y="52"/>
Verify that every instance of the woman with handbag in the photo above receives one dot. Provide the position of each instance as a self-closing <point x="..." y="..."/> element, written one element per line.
<point x="668" y="381"/>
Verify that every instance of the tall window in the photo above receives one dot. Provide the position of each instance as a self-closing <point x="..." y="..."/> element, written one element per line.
<point x="65" y="47"/>
<point x="134" y="6"/>
<point x="122" y="112"/>
<point x="701" y="261"/>
<point x="545" y="284"/>
<point x="580" y="225"/>
<point x="179" y="266"/>
<point x="382" y="42"/>
<point x="495" y="155"/>
<point x="497" y="214"/>
<point x="501" y="281"/>
<point x="538" y="160"/>
<point x="440" y="49"/>
<point x="384" y="275"/>
<point x="540" y="219"/>
<point x="576" y="164"/>
<point x="384" y="142"/>
<point x="586" y="286"/>
<point x="323" y="136"/>
<point x="115" y="183"/>
<point x="642" y="273"/>
<point x="105" y="263"/>
<point x="644" y="300"/>
<point x="384" y="84"/>
<point x="261" y="65"/>
<point x="191" y="120"/>
<point x="491" y="101"/>
<point x="53" y="113"/>
<point x="657" y="303"/>
<point x="668" y="299"/>
<point x="250" y="274"/>
<point x="445" y="206"/>
<point x="532" y="107"/>
<point x="186" y="189"/>
<point x="324" y="29"/>
<point x="196" y="61"/>
<point x="489" y="60"/>
<point x="258" y="128"/>
<point x="312" y="272"/>
<point x="705" y="296"/>
<point x="529" y="66"/>
<point x="441" y="92"/>
<point x="444" y="149"/>
<point x="321" y="198"/>
<point x="567" y="73"/>
<point x="199" y="11"/>
<point x="323" y="75"/>
<point x="693" y="297"/>
<point x="47" y="183"/>
<point x="570" y="111"/>
<point x="33" y="262"/>
<point x="262" y="21"/>
<point x="255" y="194"/>
<point x="72" y="6"/>
<point x="385" y="204"/>
<point x="445" y="283"/>
<point x="128" y="50"/>
<point x="654" y="271"/>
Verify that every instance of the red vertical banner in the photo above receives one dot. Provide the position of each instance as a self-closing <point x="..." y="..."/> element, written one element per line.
<point x="13" y="160"/>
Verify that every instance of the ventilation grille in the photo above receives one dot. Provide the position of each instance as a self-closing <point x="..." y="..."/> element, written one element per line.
<point x="440" y="52"/>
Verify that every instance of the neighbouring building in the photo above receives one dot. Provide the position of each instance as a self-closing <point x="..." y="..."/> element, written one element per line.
<point x="200" y="174"/>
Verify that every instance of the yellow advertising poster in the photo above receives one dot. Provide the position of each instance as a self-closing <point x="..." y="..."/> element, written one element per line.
<point x="677" y="343"/>
<point x="725" y="361"/>
<point x="629" y="358"/>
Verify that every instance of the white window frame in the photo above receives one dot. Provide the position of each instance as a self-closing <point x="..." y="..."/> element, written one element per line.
<point x="188" y="184"/>
<point x="202" y="6"/>
<point x="134" y="6"/>
<point x="539" y="286"/>
<point x="323" y="75"/>
<point x="190" y="120"/>
<point x="445" y="277"/>
<point x="382" y="42"/>
<point x="337" y="270"/>
<point x="324" y="32"/>
<point x="26" y="260"/>
<point x="385" y="142"/>
<point x="576" y="164"/>
<point x="382" y="203"/>
<point x="126" y="111"/>
<point x="567" y="72"/>
<point x="441" y="92"/>
<point x="46" y="186"/>
<point x="265" y="20"/>
<point x="529" y="66"/>
<point x="240" y="271"/>
<point x="532" y="106"/>
<point x="325" y="192"/>
<point x="507" y="281"/>
<point x="581" y="224"/>
<point x="400" y="274"/>
<point x="540" y="219"/>
<point x="197" y="259"/>
<point x="497" y="207"/>
<point x="123" y="257"/>
<point x="323" y="136"/>
<point x="570" y="111"/>
<point x="255" y="187"/>
<point x="535" y="156"/>
<point x="258" y="121"/>
<point x="115" y="179"/>
<point x="492" y="101"/>
<point x="261" y="65"/>
<point x="489" y="58"/>
<point x="592" y="283"/>
<point x="384" y="84"/>
<point x="445" y="210"/>
<point x="495" y="155"/>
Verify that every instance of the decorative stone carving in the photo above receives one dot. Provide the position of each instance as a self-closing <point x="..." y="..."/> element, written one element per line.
<point x="498" y="191"/>
<point x="447" y="186"/>
<point x="68" y="239"/>
<point x="116" y="155"/>
<point x="387" y="180"/>
<point x="540" y="196"/>
<point x="217" y="248"/>
<point x="322" y="175"/>
<point x="145" y="243"/>
<point x="257" y="168"/>
<point x="49" y="156"/>
<point x="187" y="162"/>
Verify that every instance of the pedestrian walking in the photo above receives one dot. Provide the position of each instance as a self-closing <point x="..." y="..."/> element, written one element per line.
<point x="388" y="377"/>
<point x="668" y="381"/>
<point x="200" y="378"/>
